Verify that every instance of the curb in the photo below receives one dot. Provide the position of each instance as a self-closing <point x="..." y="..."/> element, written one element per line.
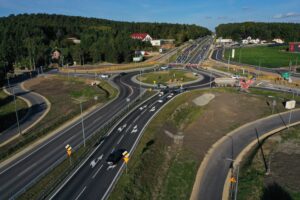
<point x="204" y="162"/>
<point x="246" y="150"/>
<point x="28" y="148"/>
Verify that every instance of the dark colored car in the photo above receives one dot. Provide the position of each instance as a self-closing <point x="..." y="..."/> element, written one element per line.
<point x="116" y="156"/>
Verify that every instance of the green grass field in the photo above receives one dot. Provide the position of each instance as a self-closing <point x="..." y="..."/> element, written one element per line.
<point x="7" y="110"/>
<point x="167" y="77"/>
<point x="271" y="57"/>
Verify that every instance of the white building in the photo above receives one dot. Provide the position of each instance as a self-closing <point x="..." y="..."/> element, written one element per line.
<point x="278" y="41"/>
<point x="156" y="43"/>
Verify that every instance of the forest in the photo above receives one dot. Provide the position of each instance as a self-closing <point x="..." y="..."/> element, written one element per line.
<point x="265" y="31"/>
<point x="27" y="40"/>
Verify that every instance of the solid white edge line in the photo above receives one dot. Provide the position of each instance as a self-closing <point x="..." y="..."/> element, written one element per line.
<point x="134" y="146"/>
<point x="84" y="162"/>
<point x="97" y="171"/>
<point x="80" y="193"/>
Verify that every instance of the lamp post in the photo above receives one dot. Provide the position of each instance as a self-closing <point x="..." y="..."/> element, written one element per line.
<point x="82" y="124"/>
<point x="17" y="116"/>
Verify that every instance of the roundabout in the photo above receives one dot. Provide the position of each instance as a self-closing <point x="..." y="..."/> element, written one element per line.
<point x="170" y="78"/>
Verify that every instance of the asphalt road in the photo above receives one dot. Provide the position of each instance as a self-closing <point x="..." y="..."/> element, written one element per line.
<point x="16" y="177"/>
<point x="215" y="173"/>
<point x="35" y="111"/>
<point x="96" y="182"/>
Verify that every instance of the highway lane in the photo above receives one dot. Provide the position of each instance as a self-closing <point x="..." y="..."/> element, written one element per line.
<point x="35" y="111"/>
<point x="95" y="182"/>
<point x="218" y="166"/>
<point x="18" y="175"/>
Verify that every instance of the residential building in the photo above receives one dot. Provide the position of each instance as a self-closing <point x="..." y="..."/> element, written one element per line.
<point x="141" y="36"/>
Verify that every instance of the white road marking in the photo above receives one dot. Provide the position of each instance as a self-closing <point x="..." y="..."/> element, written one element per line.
<point x="97" y="171"/>
<point x="26" y="170"/>
<point x="93" y="163"/>
<point x="111" y="167"/>
<point x="113" y="150"/>
<point x="120" y="139"/>
<point x="100" y="157"/>
<point x="80" y="193"/>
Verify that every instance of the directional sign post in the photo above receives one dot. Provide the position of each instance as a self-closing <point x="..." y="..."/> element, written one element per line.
<point x="290" y="105"/>
<point x="69" y="152"/>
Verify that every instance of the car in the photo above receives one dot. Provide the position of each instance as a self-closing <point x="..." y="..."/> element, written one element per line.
<point x="141" y="108"/>
<point x="122" y="127"/>
<point x="235" y="77"/>
<point x="169" y="96"/>
<point x="123" y="74"/>
<point x="160" y="101"/>
<point x="116" y="156"/>
<point x="104" y="76"/>
<point x="152" y="109"/>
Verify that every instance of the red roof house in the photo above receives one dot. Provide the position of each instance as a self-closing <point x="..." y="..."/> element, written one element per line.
<point x="141" y="36"/>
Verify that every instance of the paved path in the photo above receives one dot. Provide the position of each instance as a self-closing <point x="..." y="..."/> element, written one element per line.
<point x="213" y="171"/>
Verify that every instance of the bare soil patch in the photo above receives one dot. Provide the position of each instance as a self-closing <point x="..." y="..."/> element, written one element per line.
<point x="224" y="113"/>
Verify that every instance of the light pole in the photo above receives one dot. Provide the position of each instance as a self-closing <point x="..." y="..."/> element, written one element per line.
<point x="17" y="116"/>
<point x="82" y="125"/>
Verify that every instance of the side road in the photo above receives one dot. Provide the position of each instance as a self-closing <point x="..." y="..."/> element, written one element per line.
<point x="38" y="106"/>
<point x="214" y="169"/>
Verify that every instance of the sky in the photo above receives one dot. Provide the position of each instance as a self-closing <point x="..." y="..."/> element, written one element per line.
<point x="207" y="13"/>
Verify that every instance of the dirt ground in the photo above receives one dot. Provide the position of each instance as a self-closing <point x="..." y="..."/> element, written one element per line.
<point x="285" y="162"/>
<point x="224" y="113"/>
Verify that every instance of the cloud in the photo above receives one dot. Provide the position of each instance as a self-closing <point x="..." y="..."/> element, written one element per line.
<point x="286" y="15"/>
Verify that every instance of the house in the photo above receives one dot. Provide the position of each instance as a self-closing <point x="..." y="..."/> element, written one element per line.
<point x="294" y="46"/>
<point x="141" y="36"/>
<point x="224" y="41"/>
<point x="74" y="40"/>
<point x="156" y="43"/>
<point x="278" y="41"/>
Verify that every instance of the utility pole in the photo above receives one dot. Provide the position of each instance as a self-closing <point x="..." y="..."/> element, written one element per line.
<point x="82" y="125"/>
<point x="17" y="116"/>
<point x="261" y="149"/>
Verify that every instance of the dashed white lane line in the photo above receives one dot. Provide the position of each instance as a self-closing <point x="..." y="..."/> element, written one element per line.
<point x="120" y="139"/>
<point x="26" y="170"/>
<point x="97" y="171"/>
<point x="81" y="193"/>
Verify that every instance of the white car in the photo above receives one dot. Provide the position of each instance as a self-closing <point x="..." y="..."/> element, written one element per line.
<point x="152" y="109"/>
<point x="160" y="101"/>
<point x="104" y="76"/>
<point x="122" y="127"/>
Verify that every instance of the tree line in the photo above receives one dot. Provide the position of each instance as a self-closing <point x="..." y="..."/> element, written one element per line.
<point x="27" y="40"/>
<point x="265" y="31"/>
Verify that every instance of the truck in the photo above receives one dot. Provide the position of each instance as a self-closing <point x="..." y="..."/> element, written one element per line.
<point x="224" y="82"/>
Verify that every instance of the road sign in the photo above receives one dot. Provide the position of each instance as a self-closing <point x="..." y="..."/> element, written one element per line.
<point x="290" y="104"/>
<point x="285" y="75"/>
<point x="232" y="180"/>
<point x="69" y="150"/>
<point x="126" y="159"/>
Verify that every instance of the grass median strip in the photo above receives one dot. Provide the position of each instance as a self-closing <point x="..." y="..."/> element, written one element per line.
<point x="165" y="168"/>
<point x="7" y="110"/>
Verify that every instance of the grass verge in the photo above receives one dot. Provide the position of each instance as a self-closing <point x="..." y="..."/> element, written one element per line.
<point x="43" y="187"/>
<point x="7" y="110"/>
<point x="166" y="77"/>
<point x="61" y="92"/>
<point x="271" y="57"/>
<point x="255" y="184"/>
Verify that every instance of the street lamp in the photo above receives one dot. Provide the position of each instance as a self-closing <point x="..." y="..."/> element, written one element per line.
<point x="17" y="116"/>
<point x="82" y="125"/>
